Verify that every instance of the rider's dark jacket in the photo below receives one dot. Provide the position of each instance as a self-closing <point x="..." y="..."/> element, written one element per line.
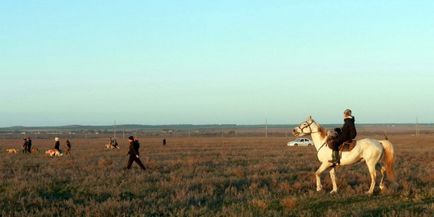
<point x="348" y="132"/>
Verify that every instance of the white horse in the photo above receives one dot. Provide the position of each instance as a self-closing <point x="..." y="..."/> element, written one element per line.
<point x="369" y="150"/>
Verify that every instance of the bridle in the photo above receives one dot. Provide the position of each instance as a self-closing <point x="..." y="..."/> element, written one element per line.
<point x="308" y="125"/>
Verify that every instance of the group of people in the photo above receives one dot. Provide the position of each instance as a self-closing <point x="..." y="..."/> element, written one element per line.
<point x="133" y="151"/>
<point x="27" y="146"/>
<point x="57" y="145"/>
<point x="346" y="133"/>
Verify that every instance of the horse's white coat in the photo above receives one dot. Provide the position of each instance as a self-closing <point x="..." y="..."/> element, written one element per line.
<point x="369" y="150"/>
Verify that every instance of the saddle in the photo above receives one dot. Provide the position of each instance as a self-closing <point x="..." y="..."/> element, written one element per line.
<point x="348" y="145"/>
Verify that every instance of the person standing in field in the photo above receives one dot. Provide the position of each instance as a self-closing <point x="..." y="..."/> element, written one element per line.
<point x="29" y="145"/>
<point x="68" y="146"/>
<point x="134" y="153"/>
<point x="25" y="145"/>
<point x="57" y="144"/>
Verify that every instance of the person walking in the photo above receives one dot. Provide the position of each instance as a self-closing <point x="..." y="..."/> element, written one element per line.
<point x="134" y="153"/>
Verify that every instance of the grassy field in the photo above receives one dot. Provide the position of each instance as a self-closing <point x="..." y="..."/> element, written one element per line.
<point x="207" y="176"/>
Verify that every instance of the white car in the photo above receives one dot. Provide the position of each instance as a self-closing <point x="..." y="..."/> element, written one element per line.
<point x="300" y="142"/>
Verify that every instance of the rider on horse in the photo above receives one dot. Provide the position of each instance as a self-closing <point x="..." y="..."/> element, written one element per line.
<point x="346" y="133"/>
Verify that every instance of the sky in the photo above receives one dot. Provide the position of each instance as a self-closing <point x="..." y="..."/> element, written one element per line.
<point x="215" y="62"/>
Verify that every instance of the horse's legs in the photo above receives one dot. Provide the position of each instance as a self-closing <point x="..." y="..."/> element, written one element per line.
<point x="373" y="173"/>
<point x="333" y="178"/>
<point x="382" y="170"/>
<point x="318" y="175"/>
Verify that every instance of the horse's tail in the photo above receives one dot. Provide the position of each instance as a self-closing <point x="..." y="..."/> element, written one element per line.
<point x="389" y="158"/>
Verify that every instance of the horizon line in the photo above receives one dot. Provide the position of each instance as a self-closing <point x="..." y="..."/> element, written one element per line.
<point x="211" y="124"/>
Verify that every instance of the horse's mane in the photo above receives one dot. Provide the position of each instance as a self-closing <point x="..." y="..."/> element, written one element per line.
<point x="322" y="131"/>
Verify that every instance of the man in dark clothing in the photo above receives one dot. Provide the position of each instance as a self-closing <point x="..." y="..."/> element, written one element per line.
<point x="347" y="133"/>
<point x="57" y="144"/>
<point x="134" y="153"/>
<point x="68" y="146"/>
<point x="25" y="145"/>
<point x="29" y="145"/>
<point x="137" y="145"/>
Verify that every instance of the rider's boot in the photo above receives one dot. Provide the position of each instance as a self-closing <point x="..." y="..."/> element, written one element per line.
<point x="335" y="157"/>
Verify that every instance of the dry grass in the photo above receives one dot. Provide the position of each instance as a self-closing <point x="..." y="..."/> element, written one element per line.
<point x="289" y="203"/>
<point x="216" y="176"/>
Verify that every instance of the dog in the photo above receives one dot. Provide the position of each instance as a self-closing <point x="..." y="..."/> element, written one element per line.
<point x="53" y="153"/>
<point x="11" y="151"/>
<point x="35" y="150"/>
<point x="110" y="147"/>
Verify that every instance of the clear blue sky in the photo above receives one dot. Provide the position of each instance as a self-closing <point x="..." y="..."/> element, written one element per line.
<point x="199" y="62"/>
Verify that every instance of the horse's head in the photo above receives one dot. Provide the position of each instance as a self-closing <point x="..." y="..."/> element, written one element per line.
<point x="306" y="128"/>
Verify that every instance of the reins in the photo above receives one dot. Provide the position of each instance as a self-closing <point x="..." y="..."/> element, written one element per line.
<point x="321" y="147"/>
<point x="310" y="128"/>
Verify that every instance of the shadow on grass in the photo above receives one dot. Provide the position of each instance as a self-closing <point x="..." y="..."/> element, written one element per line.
<point x="351" y="205"/>
<point x="57" y="193"/>
<point x="413" y="208"/>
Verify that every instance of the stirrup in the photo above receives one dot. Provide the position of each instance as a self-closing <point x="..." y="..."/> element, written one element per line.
<point x="335" y="164"/>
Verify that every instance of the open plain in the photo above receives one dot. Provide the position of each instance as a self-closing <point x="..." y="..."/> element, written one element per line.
<point x="208" y="176"/>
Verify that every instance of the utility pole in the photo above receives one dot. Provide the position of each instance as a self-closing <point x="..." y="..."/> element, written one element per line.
<point x="221" y="129"/>
<point x="266" y="128"/>
<point x="114" y="130"/>
<point x="123" y="135"/>
<point x="85" y="136"/>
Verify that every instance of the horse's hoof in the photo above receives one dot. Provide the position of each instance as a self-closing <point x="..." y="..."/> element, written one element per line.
<point x="369" y="193"/>
<point x="333" y="192"/>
